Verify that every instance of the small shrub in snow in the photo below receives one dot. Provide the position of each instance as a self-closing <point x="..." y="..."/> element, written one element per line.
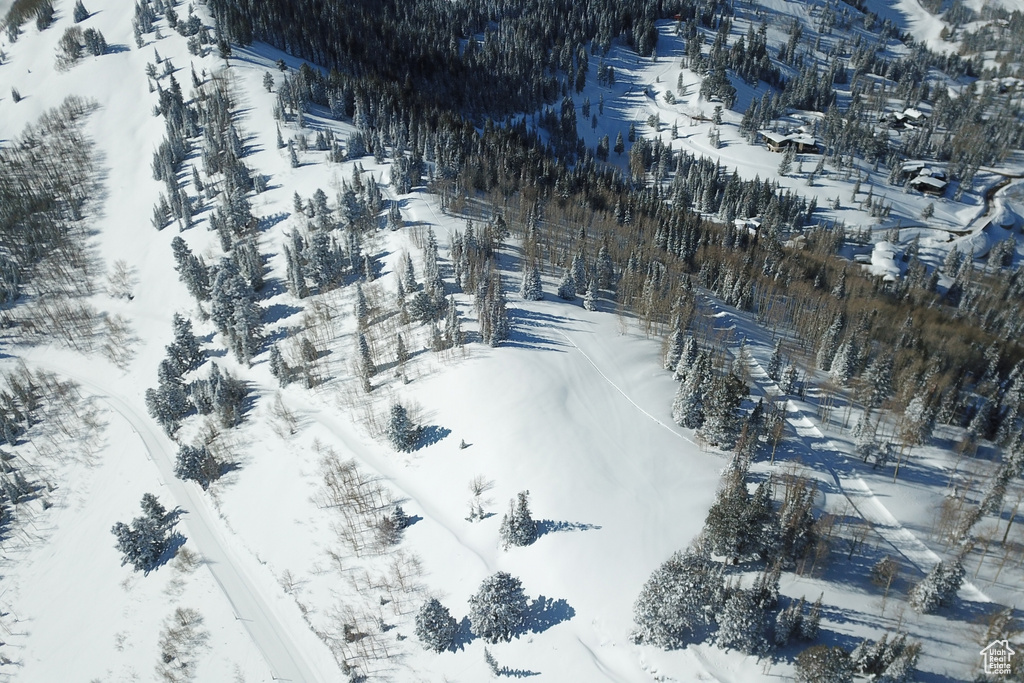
<point x="435" y="626"/>
<point x="498" y="610"/>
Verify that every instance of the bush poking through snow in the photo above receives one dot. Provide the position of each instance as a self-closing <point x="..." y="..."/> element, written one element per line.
<point x="498" y="610"/>
<point x="435" y="626"/>
<point x="180" y="643"/>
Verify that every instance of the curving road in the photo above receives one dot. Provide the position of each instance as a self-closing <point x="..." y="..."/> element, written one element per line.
<point x="292" y="652"/>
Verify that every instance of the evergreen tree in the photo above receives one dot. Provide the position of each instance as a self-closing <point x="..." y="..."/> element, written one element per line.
<point x="79" y="13"/>
<point x="774" y="369"/>
<point x="435" y="626"/>
<point x="517" y="526"/>
<point x="809" y="624"/>
<point x="688" y="407"/>
<point x="830" y="343"/>
<point x="531" y="288"/>
<point x="721" y="425"/>
<point x="498" y="609"/>
<point x="147" y="538"/>
<point x="604" y="267"/>
<point x="743" y="625"/>
<point x="278" y="367"/>
<point x="184" y="351"/>
<point x="196" y="464"/>
<point x="590" y="299"/>
<point x="938" y="588"/>
<point x="679" y="602"/>
<point x="787" y="622"/>
<point x="675" y="345"/>
<point x="367" y="368"/>
<point x="401" y="432"/>
<point x="824" y="664"/>
<point x="567" y="286"/>
<point x="687" y="359"/>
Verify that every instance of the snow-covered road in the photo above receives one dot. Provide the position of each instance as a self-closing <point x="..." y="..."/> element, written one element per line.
<point x="292" y="651"/>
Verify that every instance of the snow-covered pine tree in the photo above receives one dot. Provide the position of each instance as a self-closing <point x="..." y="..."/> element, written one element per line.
<point x="367" y="368"/>
<point x="435" y="626"/>
<point x="810" y="622"/>
<point x="196" y="464"/>
<point x="676" y="341"/>
<point x="722" y="423"/>
<point x="453" y="336"/>
<point x="517" y="526"/>
<point x="578" y="269"/>
<point x="497" y="611"/>
<point x="688" y="405"/>
<point x="678" y="603"/>
<point x="790" y="380"/>
<point x="824" y="664"/>
<point x="184" y="350"/>
<point x="830" y="343"/>
<point x="590" y="298"/>
<point x="844" y="363"/>
<point x="278" y="367"/>
<point x="401" y="432"/>
<point x="567" y="287"/>
<point x="774" y="367"/>
<point x="531" y="288"/>
<point x="743" y="625"/>
<point x="938" y="588"/>
<point x="191" y="270"/>
<point x="144" y="541"/>
<point x="787" y="622"/>
<point x="687" y="359"/>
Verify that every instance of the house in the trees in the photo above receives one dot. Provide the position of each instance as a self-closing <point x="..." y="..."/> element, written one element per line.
<point x="923" y="177"/>
<point x="929" y="185"/>
<point x="777" y="142"/>
<point x="908" y="118"/>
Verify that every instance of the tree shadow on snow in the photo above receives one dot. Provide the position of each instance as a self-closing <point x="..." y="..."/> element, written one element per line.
<point x="516" y="673"/>
<point x="543" y="613"/>
<point x="430" y="435"/>
<point x="463" y="636"/>
<point x="550" y="526"/>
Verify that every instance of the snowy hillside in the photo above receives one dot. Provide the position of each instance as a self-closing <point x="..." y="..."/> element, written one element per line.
<point x="287" y="558"/>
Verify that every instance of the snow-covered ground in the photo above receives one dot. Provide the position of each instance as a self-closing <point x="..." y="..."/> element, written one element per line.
<point x="573" y="409"/>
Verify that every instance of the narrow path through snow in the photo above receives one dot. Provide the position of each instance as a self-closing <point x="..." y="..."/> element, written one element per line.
<point x="275" y="625"/>
<point x="624" y="394"/>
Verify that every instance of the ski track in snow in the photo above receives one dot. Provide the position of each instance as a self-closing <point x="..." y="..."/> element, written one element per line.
<point x="853" y="488"/>
<point x="624" y="394"/>
<point x="276" y="627"/>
